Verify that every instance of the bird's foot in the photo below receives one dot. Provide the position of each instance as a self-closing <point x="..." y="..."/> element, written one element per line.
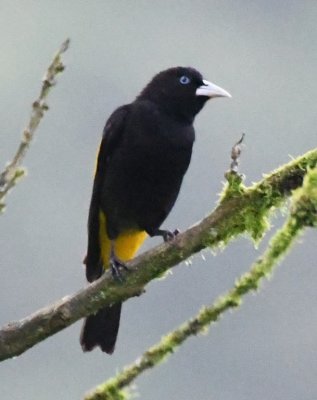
<point x="169" y="235"/>
<point x="116" y="265"/>
<point x="166" y="234"/>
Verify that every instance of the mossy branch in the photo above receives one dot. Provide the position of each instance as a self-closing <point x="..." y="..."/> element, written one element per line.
<point x="13" y="170"/>
<point x="303" y="213"/>
<point x="240" y="210"/>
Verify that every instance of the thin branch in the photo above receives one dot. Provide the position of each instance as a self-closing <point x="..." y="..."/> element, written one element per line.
<point x="235" y="155"/>
<point x="303" y="213"/>
<point x="13" y="172"/>
<point x="242" y="210"/>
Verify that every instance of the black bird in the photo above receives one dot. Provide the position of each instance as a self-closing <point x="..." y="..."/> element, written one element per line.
<point x="144" y="153"/>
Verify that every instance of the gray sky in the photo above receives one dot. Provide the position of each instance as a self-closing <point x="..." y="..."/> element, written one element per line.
<point x="264" y="54"/>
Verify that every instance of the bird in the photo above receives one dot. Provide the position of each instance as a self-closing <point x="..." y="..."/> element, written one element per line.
<point x="143" y="156"/>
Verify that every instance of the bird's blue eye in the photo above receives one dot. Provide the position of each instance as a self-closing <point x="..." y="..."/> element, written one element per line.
<point x="184" y="80"/>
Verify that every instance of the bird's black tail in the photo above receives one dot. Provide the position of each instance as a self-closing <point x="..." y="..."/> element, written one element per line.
<point x="101" y="329"/>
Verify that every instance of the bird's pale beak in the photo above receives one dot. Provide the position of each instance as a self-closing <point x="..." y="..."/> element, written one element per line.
<point x="211" y="90"/>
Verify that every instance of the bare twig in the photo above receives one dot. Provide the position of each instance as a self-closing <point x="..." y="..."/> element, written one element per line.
<point x="13" y="171"/>
<point x="234" y="215"/>
<point x="303" y="213"/>
<point x="235" y="154"/>
<point x="233" y="177"/>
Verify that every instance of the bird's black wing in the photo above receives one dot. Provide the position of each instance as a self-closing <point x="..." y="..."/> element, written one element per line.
<point x="112" y="135"/>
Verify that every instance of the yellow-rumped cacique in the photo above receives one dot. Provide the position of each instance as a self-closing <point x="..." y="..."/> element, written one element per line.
<point x="144" y="153"/>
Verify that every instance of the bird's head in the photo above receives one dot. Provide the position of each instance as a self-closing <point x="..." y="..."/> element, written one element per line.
<point x="181" y="91"/>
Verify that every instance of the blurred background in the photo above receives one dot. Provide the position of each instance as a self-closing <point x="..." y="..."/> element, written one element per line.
<point x="264" y="54"/>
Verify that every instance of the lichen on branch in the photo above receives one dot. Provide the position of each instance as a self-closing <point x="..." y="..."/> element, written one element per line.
<point x="233" y="216"/>
<point x="303" y="214"/>
<point x="13" y="171"/>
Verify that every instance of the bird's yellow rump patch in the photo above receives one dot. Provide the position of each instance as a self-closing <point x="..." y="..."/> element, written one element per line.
<point x="126" y="244"/>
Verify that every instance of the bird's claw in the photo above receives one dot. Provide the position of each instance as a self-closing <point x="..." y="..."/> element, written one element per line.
<point x="116" y="265"/>
<point x="169" y="235"/>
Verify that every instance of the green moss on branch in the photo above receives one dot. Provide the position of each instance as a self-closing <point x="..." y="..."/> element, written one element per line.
<point x="304" y="213"/>
<point x="234" y="215"/>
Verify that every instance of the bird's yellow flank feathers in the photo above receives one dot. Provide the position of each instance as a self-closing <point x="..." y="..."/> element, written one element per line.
<point x="126" y="244"/>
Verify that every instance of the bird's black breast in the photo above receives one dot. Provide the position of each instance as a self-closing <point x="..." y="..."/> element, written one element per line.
<point x="145" y="172"/>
